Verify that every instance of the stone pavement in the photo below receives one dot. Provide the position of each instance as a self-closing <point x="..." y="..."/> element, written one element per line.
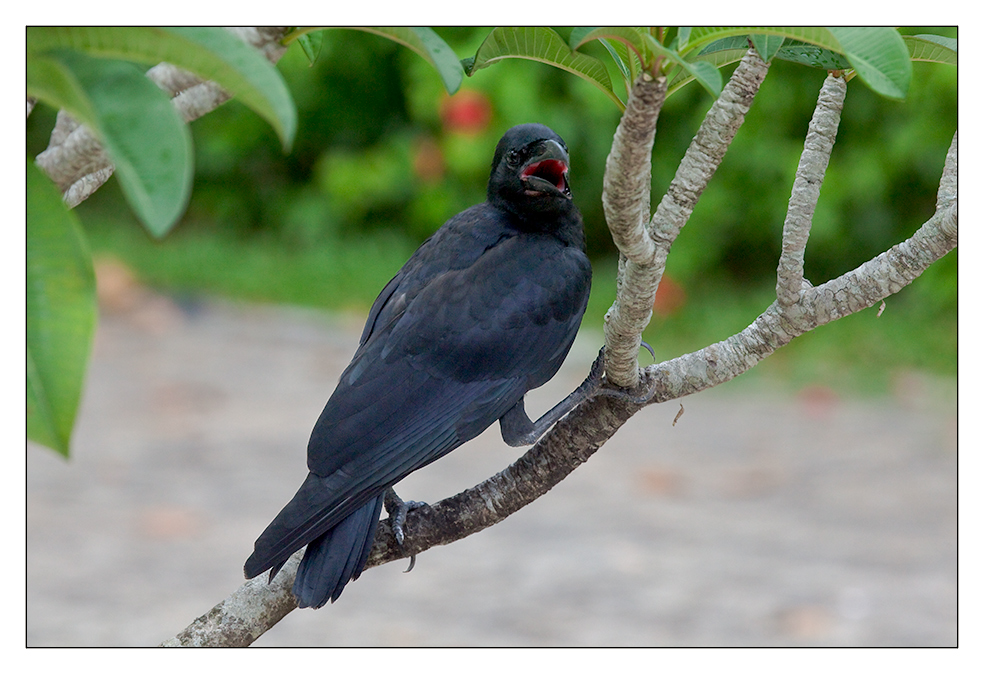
<point x="757" y="519"/>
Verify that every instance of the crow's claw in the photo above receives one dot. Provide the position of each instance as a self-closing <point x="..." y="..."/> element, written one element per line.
<point x="397" y="509"/>
<point x="624" y="394"/>
<point x="597" y="384"/>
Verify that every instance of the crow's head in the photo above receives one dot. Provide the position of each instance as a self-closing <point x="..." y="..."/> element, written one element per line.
<point x="529" y="172"/>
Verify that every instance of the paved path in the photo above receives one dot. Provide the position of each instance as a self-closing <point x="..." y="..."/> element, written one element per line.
<point x="756" y="520"/>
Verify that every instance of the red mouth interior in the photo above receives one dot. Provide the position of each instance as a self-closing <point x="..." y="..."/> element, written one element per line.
<point x="551" y="170"/>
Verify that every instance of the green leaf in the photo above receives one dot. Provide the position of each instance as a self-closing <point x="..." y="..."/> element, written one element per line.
<point x="311" y="45"/>
<point x="707" y="75"/>
<point x="878" y="55"/>
<point x="211" y="53"/>
<point x="147" y="140"/>
<point x="625" y="61"/>
<point x="61" y="313"/>
<point x="422" y="41"/>
<point x="813" y="56"/>
<point x="880" y="58"/>
<point x="546" y="46"/>
<point x="619" y="56"/>
<point x="731" y="49"/>
<point x="703" y="36"/>
<point x="717" y="59"/>
<point x="51" y="82"/>
<point x="683" y="36"/>
<point x="767" y="45"/>
<point x="931" y="48"/>
<point x="633" y="38"/>
<point x="575" y="39"/>
<point x="733" y="42"/>
<point x="432" y="48"/>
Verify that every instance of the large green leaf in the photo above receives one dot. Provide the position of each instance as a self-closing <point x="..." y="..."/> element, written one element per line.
<point x="880" y="58"/>
<point x="49" y="81"/>
<point x="931" y="48"/>
<point x="767" y="45"/>
<point x="878" y="55"/>
<point x="645" y="46"/>
<point x="546" y="46"/>
<point x="625" y="59"/>
<point x="211" y="53"/>
<point x="731" y="49"/>
<point x="716" y="58"/>
<point x="422" y="41"/>
<point x="706" y="74"/>
<point x="432" y="48"/>
<point x="633" y="38"/>
<point x="813" y="56"/>
<point x="144" y="135"/>
<point x="682" y="37"/>
<point x="311" y="44"/>
<point x="61" y="313"/>
<point x="701" y="37"/>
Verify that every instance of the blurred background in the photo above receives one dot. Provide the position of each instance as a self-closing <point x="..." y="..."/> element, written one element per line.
<point x="383" y="157"/>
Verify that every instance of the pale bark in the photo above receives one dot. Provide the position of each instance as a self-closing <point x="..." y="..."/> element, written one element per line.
<point x="806" y="189"/>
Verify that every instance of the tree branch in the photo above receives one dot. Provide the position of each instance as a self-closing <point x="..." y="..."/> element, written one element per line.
<point x="947" y="193"/>
<point x="76" y="161"/>
<point x="806" y="188"/>
<point x="246" y="614"/>
<point x="628" y="170"/>
<point x="625" y="198"/>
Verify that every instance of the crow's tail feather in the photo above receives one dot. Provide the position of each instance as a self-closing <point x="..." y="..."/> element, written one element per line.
<point x="336" y="557"/>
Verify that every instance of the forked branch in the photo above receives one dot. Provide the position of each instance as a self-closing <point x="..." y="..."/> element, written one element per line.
<point x="644" y="250"/>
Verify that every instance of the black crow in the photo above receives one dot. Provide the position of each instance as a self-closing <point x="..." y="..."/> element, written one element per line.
<point x="485" y="310"/>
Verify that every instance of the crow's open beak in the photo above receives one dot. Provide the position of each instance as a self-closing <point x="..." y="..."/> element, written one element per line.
<point x="546" y="171"/>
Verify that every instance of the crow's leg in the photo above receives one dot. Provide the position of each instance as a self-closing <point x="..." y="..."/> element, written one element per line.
<point x="518" y="429"/>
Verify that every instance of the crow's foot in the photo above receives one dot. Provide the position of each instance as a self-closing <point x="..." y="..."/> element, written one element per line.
<point x="397" y="510"/>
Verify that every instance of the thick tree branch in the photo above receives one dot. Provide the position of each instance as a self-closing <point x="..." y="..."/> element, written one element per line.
<point x="625" y="197"/>
<point x="76" y="161"/>
<point x="628" y="170"/>
<point x="248" y="612"/>
<point x="806" y="188"/>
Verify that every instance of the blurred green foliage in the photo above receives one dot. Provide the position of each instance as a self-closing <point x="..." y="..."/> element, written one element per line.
<point x="384" y="156"/>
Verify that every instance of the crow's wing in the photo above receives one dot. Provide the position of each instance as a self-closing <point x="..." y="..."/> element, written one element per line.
<point x="497" y="328"/>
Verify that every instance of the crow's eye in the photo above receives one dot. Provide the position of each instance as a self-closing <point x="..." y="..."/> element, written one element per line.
<point x="513" y="158"/>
